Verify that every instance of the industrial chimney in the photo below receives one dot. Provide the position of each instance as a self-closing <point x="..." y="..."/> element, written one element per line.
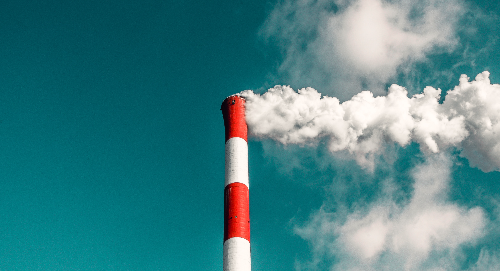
<point x="236" y="196"/>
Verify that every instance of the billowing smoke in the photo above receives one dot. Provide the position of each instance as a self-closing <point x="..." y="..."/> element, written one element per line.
<point x="468" y="120"/>
<point x="342" y="47"/>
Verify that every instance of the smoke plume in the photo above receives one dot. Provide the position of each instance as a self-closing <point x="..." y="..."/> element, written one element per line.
<point x="385" y="217"/>
<point x="468" y="119"/>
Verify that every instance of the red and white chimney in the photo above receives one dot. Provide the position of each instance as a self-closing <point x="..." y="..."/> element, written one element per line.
<point x="236" y="195"/>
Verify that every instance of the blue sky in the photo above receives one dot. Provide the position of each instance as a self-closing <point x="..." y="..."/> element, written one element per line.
<point x="112" y="138"/>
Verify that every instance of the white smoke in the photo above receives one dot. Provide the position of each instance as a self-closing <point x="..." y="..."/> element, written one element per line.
<point x="426" y="233"/>
<point x="346" y="46"/>
<point x="468" y="120"/>
<point x="343" y="47"/>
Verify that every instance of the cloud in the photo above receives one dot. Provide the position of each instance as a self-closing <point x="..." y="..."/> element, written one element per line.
<point x="487" y="261"/>
<point x="343" y="47"/>
<point x="427" y="232"/>
<point x="468" y="119"/>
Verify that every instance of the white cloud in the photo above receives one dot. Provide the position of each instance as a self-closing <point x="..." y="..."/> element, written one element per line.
<point x="344" y="47"/>
<point x="425" y="233"/>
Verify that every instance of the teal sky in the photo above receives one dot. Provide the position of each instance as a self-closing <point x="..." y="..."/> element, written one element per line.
<point x="112" y="141"/>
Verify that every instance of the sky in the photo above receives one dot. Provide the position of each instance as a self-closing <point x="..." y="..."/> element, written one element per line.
<point x="368" y="149"/>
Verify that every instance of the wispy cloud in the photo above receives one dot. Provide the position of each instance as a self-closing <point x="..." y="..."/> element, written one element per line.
<point x="488" y="261"/>
<point x="343" y="47"/>
<point x="392" y="235"/>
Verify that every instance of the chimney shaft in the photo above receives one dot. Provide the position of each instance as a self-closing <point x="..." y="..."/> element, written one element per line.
<point x="236" y="196"/>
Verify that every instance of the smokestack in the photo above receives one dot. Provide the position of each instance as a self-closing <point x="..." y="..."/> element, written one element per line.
<point x="236" y="196"/>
